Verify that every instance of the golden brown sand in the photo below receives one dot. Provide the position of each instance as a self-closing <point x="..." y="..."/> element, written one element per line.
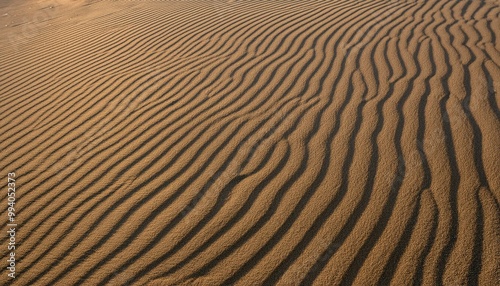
<point x="251" y="142"/>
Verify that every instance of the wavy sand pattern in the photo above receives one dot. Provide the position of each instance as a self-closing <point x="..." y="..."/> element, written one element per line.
<point x="252" y="142"/>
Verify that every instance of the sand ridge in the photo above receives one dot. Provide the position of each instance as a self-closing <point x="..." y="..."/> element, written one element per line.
<point x="252" y="142"/>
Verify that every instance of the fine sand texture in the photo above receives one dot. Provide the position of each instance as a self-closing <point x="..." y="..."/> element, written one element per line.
<point x="251" y="142"/>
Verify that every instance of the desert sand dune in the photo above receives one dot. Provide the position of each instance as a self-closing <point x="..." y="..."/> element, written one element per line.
<point x="252" y="142"/>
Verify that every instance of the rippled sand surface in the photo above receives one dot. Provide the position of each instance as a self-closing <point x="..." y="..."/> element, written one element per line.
<point x="251" y="142"/>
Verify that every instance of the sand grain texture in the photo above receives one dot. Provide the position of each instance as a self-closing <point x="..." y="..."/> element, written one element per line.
<point x="252" y="142"/>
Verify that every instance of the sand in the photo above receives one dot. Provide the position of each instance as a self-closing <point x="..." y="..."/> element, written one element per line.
<point x="251" y="142"/>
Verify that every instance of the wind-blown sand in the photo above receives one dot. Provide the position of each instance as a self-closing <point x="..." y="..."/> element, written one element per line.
<point x="251" y="142"/>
